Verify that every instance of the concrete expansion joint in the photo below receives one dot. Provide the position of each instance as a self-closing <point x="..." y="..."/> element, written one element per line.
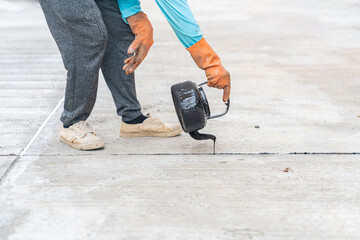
<point x="197" y="154"/>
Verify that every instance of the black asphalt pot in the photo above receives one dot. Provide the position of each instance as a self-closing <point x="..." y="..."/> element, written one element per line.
<point x="192" y="108"/>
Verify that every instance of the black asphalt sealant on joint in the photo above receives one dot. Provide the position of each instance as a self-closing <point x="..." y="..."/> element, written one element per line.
<point x="202" y="136"/>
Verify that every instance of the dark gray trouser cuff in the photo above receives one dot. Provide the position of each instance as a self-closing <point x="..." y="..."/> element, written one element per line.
<point x="131" y="116"/>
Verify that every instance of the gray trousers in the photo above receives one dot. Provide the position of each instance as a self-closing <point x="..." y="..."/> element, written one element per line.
<point x="90" y="35"/>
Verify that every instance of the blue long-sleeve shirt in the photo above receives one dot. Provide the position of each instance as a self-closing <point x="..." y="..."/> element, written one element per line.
<point x="177" y="13"/>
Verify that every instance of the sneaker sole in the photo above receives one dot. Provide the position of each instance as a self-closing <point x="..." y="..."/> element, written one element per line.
<point x="150" y="134"/>
<point x="84" y="147"/>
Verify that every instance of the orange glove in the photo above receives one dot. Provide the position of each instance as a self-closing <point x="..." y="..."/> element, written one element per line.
<point x="206" y="59"/>
<point x="141" y="27"/>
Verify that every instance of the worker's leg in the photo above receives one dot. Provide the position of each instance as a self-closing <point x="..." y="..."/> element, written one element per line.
<point x="120" y="36"/>
<point x="81" y="37"/>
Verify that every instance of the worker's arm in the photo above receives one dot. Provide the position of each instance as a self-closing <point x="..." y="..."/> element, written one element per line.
<point x="178" y="14"/>
<point x="182" y="21"/>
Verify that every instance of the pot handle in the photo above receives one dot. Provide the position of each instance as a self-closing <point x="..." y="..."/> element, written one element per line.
<point x="227" y="106"/>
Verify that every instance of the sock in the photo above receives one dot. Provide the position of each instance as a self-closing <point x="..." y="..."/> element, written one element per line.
<point x="139" y="119"/>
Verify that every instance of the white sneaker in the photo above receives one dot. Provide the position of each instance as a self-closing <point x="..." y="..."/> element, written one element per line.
<point x="151" y="127"/>
<point x="81" y="136"/>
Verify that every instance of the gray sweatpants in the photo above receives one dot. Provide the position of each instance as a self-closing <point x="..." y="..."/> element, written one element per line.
<point x="90" y="35"/>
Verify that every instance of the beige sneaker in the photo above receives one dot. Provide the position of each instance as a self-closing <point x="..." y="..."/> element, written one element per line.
<point x="151" y="127"/>
<point x="81" y="136"/>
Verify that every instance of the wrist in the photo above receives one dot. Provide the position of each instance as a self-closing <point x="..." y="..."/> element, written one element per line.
<point x="129" y="11"/>
<point x="140" y="25"/>
<point x="203" y="55"/>
<point x="134" y="15"/>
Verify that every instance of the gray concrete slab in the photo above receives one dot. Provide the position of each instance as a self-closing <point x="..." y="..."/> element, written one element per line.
<point x="182" y="197"/>
<point x="295" y="74"/>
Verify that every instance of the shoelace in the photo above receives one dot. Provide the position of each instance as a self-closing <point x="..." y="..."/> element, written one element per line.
<point x="154" y="120"/>
<point x="84" y="127"/>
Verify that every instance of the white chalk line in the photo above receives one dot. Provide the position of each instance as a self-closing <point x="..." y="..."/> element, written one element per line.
<point x="22" y="153"/>
<point x="41" y="128"/>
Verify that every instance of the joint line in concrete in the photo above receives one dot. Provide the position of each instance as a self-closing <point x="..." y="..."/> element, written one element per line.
<point x="198" y="154"/>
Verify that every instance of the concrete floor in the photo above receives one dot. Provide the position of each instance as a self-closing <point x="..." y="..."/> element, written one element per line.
<point x="295" y="74"/>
